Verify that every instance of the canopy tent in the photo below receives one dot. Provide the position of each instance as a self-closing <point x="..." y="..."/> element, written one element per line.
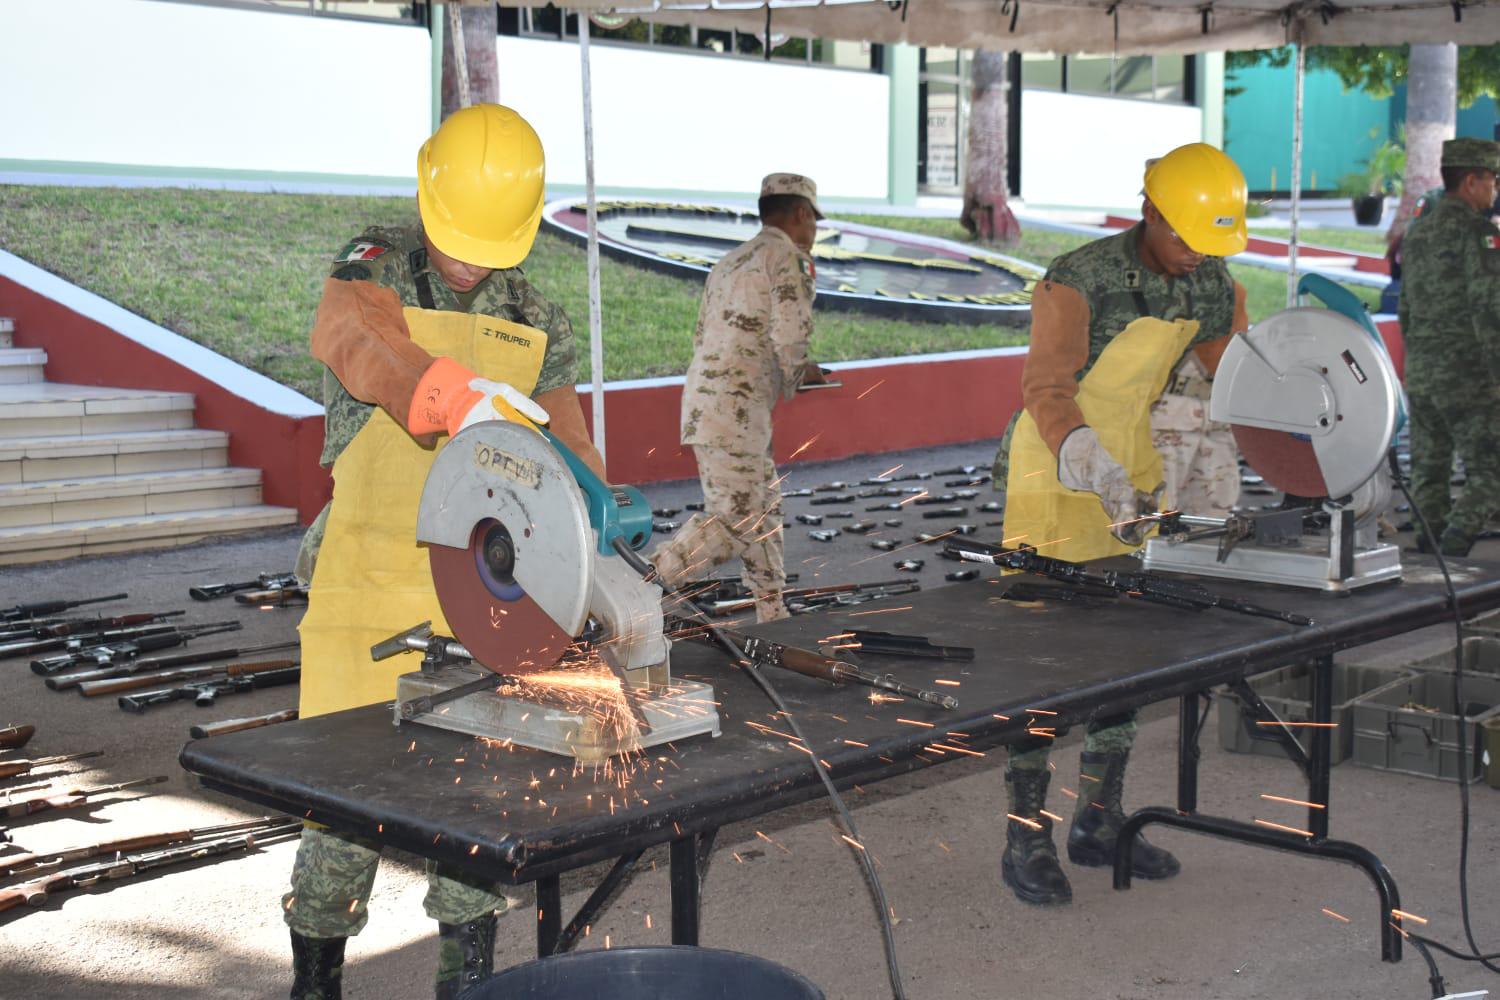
<point x="1121" y="27"/>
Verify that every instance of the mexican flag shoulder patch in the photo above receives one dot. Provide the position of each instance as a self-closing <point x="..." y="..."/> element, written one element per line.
<point x="1490" y="242"/>
<point x="360" y="250"/>
<point x="807" y="267"/>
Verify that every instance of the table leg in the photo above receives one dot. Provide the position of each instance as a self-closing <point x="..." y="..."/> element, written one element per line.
<point x="685" y="890"/>
<point x="1320" y="747"/>
<point x="548" y="914"/>
<point x="1189" y="727"/>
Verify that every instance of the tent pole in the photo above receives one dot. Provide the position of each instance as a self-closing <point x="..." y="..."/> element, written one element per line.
<point x="596" y="325"/>
<point x="1291" y="259"/>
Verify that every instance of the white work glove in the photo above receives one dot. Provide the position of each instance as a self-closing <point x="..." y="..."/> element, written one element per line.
<point x="492" y="400"/>
<point x="1084" y="464"/>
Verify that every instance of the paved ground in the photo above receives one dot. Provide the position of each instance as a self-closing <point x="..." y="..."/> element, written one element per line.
<point x="1238" y="923"/>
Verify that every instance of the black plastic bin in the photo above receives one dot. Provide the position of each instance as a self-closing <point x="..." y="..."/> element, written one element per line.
<point x="676" y="972"/>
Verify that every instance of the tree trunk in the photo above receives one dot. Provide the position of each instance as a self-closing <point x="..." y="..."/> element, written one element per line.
<point x="1431" y="117"/>
<point x="986" y="212"/>
<point x="480" y="26"/>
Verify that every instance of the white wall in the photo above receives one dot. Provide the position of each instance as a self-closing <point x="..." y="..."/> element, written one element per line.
<point x="665" y="120"/>
<point x="1092" y="151"/>
<point x="178" y="85"/>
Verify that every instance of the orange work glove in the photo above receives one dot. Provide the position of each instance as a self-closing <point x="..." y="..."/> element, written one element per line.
<point x="449" y="398"/>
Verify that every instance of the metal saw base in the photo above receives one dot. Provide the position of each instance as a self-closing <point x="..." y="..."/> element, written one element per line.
<point x="1309" y="564"/>
<point x="678" y="711"/>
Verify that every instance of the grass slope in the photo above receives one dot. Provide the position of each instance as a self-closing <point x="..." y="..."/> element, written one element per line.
<point x="240" y="273"/>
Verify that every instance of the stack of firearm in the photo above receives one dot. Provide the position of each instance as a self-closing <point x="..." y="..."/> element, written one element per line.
<point x="721" y="596"/>
<point x="108" y="649"/>
<point x="1149" y="587"/>
<point x="44" y="609"/>
<point x="266" y="590"/>
<point x="48" y="873"/>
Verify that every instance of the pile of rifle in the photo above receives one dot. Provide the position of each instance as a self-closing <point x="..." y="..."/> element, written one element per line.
<point x="125" y="655"/>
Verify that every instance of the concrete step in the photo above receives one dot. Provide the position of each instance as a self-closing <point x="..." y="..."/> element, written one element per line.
<point x="57" y="501"/>
<point x="34" y="459"/>
<point x="52" y="409"/>
<point x="21" y="364"/>
<point x="39" y="543"/>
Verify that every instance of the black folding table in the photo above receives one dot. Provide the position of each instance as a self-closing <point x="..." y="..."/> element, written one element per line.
<point x="516" y="815"/>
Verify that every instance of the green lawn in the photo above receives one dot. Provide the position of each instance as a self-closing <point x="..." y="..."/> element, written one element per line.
<point x="240" y="273"/>
<point x="1371" y="241"/>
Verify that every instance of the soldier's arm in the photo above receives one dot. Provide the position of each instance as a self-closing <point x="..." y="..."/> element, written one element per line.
<point x="1059" y="348"/>
<point x="556" y="391"/>
<point x="1481" y="259"/>
<point x="1210" y="352"/>
<point x="791" y="318"/>
<point x="361" y="335"/>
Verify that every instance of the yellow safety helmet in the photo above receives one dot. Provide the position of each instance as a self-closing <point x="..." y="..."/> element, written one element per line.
<point x="480" y="180"/>
<point x="1201" y="193"/>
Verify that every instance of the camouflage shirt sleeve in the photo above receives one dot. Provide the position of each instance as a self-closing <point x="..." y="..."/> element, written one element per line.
<point x="560" y="364"/>
<point x="790" y="276"/>
<point x="1482" y="278"/>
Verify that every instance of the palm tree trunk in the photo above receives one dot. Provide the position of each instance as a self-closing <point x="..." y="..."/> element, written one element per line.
<point x="1431" y="117"/>
<point x="480" y="26"/>
<point x="986" y="211"/>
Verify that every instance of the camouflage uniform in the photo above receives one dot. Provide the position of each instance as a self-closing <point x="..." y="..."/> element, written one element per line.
<point x="1120" y="289"/>
<point x="401" y="265"/>
<point x="1450" y="320"/>
<point x="334" y="871"/>
<point x="749" y="348"/>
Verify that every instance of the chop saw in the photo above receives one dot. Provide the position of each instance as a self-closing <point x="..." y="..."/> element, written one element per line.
<point x="1314" y="404"/>
<point x="520" y="538"/>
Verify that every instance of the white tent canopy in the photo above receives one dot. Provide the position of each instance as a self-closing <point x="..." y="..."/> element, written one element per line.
<point x="1099" y="26"/>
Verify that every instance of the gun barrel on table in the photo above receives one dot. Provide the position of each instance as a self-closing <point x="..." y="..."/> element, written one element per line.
<point x="107" y="654"/>
<point x="70" y="798"/>
<point x="35" y="892"/>
<point x="81" y="640"/>
<point x="808" y="597"/>
<point x="205" y="692"/>
<point x="54" y="628"/>
<point x="34" y="863"/>
<point x="161" y="665"/>
<point x="265" y="581"/>
<point x="136" y="682"/>
<point x="1150" y="587"/>
<point x="42" y="608"/>
<point x="203" y="730"/>
<point x="811" y="663"/>
<point x="13" y="768"/>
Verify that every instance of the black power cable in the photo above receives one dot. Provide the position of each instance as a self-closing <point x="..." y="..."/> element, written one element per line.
<point x="1463" y="749"/>
<point x="861" y="851"/>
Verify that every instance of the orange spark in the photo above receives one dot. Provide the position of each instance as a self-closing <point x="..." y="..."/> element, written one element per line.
<point x="1287" y="829"/>
<point x="1293" y="802"/>
<point x="1022" y="819"/>
<point x="1336" y="916"/>
<point x="872" y="388"/>
<point x="1403" y="915"/>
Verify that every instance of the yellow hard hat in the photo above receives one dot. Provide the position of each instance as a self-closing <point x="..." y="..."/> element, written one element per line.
<point x="1201" y="193"/>
<point x="480" y="180"/>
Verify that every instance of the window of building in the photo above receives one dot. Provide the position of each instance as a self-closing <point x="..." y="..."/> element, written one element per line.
<point x="380" y="10"/>
<point x="942" y="113"/>
<point x="1146" y="78"/>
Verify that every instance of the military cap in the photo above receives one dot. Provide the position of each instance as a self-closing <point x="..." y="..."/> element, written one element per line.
<point x="1472" y="153"/>
<point x="803" y="187"/>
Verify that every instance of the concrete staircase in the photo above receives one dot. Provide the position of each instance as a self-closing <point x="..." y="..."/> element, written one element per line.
<point x="86" y="470"/>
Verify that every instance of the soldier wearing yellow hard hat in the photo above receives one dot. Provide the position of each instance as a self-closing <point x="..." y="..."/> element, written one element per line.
<point x="423" y="330"/>
<point x="1126" y="333"/>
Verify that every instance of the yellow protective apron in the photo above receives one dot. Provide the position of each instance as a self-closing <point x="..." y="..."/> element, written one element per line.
<point x="372" y="579"/>
<point x="1115" y="397"/>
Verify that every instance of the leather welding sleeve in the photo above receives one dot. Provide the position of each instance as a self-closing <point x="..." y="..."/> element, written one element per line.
<point x="361" y="335"/>
<point x="1211" y="352"/>
<point x="790" y="317"/>
<point x="1059" y="350"/>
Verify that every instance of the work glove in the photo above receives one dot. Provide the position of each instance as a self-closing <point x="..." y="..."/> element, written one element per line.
<point x="450" y="397"/>
<point x="1084" y="464"/>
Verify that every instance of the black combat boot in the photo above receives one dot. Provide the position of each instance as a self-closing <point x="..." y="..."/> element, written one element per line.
<point x="317" y="968"/>
<point x="466" y="955"/>
<point x="1097" y="820"/>
<point x="1029" y="865"/>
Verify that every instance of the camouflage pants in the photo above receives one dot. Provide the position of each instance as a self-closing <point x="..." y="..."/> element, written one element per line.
<point x="1200" y="464"/>
<point x="1442" y="423"/>
<point x="741" y="519"/>
<point x="333" y="875"/>
<point x="1107" y="735"/>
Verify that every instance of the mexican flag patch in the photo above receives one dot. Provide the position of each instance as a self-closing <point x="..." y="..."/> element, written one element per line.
<point x="1491" y="242"/>
<point x="359" y="250"/>
<point x="808" y="268"/>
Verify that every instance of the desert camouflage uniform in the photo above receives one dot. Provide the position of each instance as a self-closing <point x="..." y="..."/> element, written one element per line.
<point x="749" y="348"/>
<point x="403" y="268"/>
<point x="334" y="872"/>
<point x="1450" y="320"/>
<point x="1200" y="463"/>
<point x="1120" y="289"/>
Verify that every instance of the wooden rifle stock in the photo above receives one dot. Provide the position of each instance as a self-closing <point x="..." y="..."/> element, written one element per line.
<point x="239" y="725"/>
<point x="15" y="737"/>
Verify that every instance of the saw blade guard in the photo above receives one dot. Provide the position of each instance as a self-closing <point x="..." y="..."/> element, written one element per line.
<point x="509" y="546"/>
<point x="1313" y="400"/>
